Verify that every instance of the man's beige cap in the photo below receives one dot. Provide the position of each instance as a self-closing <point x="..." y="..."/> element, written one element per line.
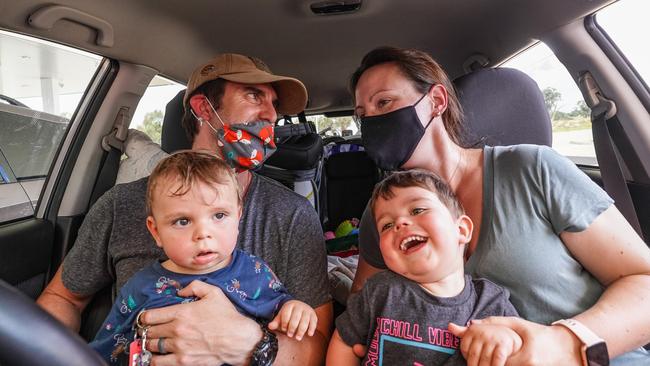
<point x="292" y="94"/>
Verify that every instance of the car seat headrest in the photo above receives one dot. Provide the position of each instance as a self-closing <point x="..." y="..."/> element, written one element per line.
<point x="173" y="137"/>
<point x="503" y="106"/>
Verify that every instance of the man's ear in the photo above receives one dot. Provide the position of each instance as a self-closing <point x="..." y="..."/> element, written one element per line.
<point x="200" y="106"/>
<point x="438" y="95"/>
<point x="153" y="229"/>
<point x="465" y="228"/>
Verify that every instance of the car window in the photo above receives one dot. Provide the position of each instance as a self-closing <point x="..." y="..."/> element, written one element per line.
<point x="150" y="112"/>
<point x="331" y="126"/>
<point x="569" y="113"/>
<point x="616" y="20"/>
<point x="41" y="85"/>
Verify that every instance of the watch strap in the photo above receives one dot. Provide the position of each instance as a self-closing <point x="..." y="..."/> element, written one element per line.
<point x="584" y="334"/>
<point x="594" y="349"/>
<point x="266" y="350"/>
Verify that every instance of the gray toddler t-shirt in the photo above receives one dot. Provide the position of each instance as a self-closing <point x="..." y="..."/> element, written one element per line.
<point x="277" y="225"/>
<point x="402" y="324"/>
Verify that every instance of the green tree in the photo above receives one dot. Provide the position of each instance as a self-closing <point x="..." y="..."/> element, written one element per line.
<point x="552" y="98"/>
<point x="581" y="110"/>
<point x="152" y="125"/>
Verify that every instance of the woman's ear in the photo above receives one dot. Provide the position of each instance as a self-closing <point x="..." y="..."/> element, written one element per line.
<point x="465" y="228"/>
<point x="438" y="95"/>
<point x="153" y="229"/>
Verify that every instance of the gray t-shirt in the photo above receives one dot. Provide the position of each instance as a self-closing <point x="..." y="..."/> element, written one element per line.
<point x="277" y="225"/>
<point x="402" y="324"/>
<point x="530" y="195"/>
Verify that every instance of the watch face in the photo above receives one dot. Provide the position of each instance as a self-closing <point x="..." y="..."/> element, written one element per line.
<point x="597" y="355"/>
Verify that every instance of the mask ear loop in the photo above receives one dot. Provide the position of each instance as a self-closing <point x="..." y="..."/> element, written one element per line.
<point x="433" y="116"/>
<point x="201" y="120"/>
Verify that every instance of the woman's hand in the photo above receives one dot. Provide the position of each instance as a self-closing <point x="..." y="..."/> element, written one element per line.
<point x="541" y="344"/>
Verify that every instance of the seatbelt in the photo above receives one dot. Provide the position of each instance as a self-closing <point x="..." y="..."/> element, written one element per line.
<point x="603" y="113"/>
<point x="113" y="144"/>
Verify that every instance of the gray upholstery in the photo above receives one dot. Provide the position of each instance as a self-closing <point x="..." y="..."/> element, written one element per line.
<point x="503" y="107"/>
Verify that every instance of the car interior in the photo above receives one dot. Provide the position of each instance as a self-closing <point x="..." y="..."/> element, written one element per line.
<point x="54" y="165"/>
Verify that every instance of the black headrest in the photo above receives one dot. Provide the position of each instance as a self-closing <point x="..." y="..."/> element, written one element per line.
<point x="503" y="107"/>
<point x="173" y="137"/>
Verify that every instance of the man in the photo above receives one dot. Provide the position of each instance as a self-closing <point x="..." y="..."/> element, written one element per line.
<point x="276" y="224"/>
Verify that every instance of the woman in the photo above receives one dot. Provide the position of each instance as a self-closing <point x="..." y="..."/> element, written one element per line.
<point x="546" y="245"/>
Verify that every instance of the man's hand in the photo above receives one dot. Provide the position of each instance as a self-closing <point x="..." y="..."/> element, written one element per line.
<point x="209" y="331"/>
<point x="295" y="318"/>
<point x="486" y="345"/>
<point x="542" y="345"/>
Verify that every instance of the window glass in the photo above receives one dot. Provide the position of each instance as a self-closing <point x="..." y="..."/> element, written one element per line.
<point x="149" y="114"/>
<point x="625" y="21"/>
<point x="331" y="126"/>
<point x="569" y="113"/>
<point x="41" y="85"/>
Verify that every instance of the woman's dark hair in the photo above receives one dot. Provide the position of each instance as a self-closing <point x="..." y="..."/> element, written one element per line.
<point x="213" y="90"/>
<point x="423" y="71"/>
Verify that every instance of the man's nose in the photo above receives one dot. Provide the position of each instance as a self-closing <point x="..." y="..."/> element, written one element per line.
<point x="267" y="112"/>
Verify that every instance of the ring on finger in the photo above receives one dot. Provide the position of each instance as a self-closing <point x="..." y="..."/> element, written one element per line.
<point x="161" y="346"/>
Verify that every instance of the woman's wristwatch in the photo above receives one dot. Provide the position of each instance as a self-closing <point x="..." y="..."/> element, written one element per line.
<point x="594" y="349"/>
<point x="266" y="350"/>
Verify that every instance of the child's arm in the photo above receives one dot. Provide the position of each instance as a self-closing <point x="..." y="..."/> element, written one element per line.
<point x="295" y="318"/>
<point x="340" y="353"/>
<point x="482" y="342"/>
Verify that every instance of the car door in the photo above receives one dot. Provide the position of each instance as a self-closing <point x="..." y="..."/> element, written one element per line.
<point x="47" y="96"/>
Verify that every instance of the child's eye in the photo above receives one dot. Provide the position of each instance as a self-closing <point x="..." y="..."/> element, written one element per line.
<point x="418" y="210"/>
<point x="182" y="222"/>
<point x="386" y="226"/>
<point x="219" y="216"/>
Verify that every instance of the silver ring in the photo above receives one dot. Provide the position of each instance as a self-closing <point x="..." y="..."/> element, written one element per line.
<point x="161" y="346"/>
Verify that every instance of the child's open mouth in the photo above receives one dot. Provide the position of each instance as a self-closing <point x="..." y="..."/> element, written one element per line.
<point x="412" y="242"/>
<point x="205" y="257"/>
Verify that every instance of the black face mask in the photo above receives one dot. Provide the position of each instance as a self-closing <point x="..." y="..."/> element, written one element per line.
<point x="390" y="138"/>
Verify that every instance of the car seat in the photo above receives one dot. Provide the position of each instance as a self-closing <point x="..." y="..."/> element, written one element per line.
<point x="502" y="106"/>
<point x="349" y="176"/>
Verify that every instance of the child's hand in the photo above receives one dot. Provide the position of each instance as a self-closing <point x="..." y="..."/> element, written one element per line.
<point x="483" y="344"/>
<point x="295" y="318"/>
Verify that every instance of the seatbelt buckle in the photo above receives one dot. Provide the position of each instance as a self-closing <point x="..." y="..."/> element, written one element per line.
<point x="116" y="138"/>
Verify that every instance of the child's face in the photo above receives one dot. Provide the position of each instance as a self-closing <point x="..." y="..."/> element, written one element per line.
<point x="418" y="236"/>
<point x="198" y="230"/>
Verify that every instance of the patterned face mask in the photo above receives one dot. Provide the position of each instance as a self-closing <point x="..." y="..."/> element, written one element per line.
<point x="244" y="146"/>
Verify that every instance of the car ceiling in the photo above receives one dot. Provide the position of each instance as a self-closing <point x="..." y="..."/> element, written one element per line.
<point x="322" y="50"/>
